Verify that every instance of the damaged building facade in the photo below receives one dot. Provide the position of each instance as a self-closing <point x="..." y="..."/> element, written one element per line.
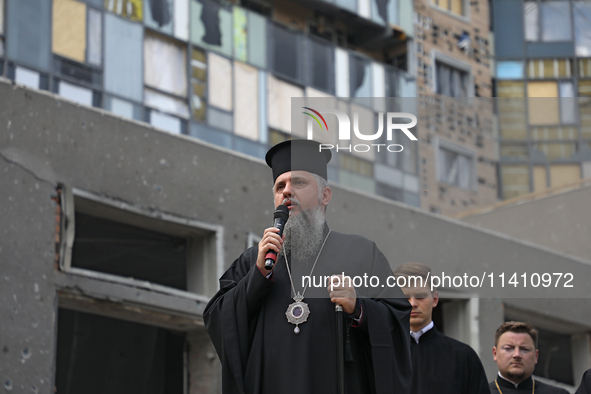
<point x="543" y="80"/>
<point x="457" y="147"/>
<point x="115" y="234"/>
<point x="133" y="178"/>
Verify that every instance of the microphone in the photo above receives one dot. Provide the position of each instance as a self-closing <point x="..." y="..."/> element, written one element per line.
<point x="279" y="219"/>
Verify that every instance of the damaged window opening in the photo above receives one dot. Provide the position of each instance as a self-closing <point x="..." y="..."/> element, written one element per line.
<point x="360" y="76"/>
<point x="212" y="26"/>
<point x="158" y="12"/>
<point x="97" y="354"/>
<point x="321" y="66"/>
<point x="285" y="51"/>
<point x="106" y="246"/>
<point x="451" y="81"/>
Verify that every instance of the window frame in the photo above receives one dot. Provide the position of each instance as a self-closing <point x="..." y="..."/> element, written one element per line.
<point x="452" y="62"/>
<point x="460" y="151"/>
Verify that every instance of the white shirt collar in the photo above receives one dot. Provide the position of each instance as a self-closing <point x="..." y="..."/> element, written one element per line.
<point x="514" y="384"/>
<point x="417" y="335"/>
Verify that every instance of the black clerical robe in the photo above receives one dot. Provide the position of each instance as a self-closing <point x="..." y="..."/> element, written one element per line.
<point x="585" y="387"/>
<point x="442" y="365"/>
<point x="524" y="387"/>
<point x="259" y="351"/>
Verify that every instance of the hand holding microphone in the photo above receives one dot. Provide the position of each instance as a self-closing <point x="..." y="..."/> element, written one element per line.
<point x="272" y="239"/>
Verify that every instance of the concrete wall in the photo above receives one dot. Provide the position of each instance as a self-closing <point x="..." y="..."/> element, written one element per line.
<point x="45" y="140"/>
<point x="561" y="222"/>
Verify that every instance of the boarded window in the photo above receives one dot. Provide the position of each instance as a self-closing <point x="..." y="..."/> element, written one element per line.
<point x="220" y="82"/>
<point x="116" y="356"/>
<point x="158" y="14"/>
<point x="165" y="65"/>
<point x="131" y="9"/>
<point x="280" y="94"/>
<point x="28" y="33"/>
<point x="515" y="180"/>
<point x="211" y="26"/>
<point x="198" y="84"/>
<point x="556" y="150"/>
<point x="540" y="179"/>
<point x="549" y="68"/>
<point x="123" y="58"/>
<point x="543" y="103"/>
<point x="285" y="52"/>
<point x="247" y="107"/>
<point x="69" y="29"/>
<point x="455" y="6"/>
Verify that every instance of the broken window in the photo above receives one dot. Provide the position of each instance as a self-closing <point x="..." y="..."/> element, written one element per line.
<point x="198" y="83"/>
<point x="451" y="81"/>
<point x="547" y="21"/>
<point x="384" y="11"/>
<point x="556" y="358"/>
<point x="285" y="51"/>
<point x="320" y="65"/>
<point x="211" y="26"/>
<point x="582" y="14"/>
<point x="110" y="247"/>
<point x="359" y="76"/>
<point x="131" y="9"/>
<point x="28" y="33"/>
<point x="456" y="168"/>
<point x="165" y="65"/>
<point x="123" y="58"/>
<point x="158" y="14"/>
<point x="98" y="354"/>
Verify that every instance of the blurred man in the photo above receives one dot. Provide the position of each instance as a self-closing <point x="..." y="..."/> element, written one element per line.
<point x="516" y="354"/>
<point x="440" y="364"/>
<point x="276" y="335"/>
<point x="585" y="387"/>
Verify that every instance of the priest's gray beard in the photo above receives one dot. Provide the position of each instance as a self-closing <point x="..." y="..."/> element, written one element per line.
<point x="303" y="234"/>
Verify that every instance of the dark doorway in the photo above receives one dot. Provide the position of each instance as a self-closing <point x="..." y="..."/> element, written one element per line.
<point x="97" y="354"/>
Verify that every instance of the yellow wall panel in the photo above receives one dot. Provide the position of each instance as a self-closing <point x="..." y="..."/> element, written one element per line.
<point x="456" y="7"/>
<point x="69" y="29"/>
<point x="539" y="176"/>
<point x="542" y="103"/>
<point x="562" y="174"/>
